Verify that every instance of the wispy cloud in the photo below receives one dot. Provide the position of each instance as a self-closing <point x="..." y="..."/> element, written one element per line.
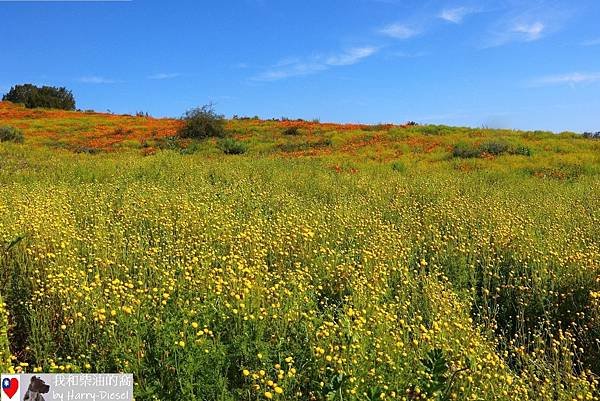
<point x="529" y="31"/>
<point x="399" y="31"/>
<point x="527" y="21"/>
<point x="517" y="30"/>
<point x="163" y="75"/>
<point x="591" y="42"/>
<point x="93" y="79"/>
<point x="456" y="15"/>
<point x="351" y="56"/>
<point x="572" y="79"/>
<point x="298" y="67"/>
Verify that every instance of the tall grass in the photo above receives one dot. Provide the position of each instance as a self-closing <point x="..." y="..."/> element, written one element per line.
<point x="348" y="263"/>
<point x="253" y="278"/>
<point x="5" y="360"/>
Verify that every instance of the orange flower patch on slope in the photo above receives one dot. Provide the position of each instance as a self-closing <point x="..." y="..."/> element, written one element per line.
<point x="85" y="129"/>
<point x="96" y="131"/>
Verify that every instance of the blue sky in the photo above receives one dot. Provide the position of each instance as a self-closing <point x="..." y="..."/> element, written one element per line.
<point x="505" y="63"/>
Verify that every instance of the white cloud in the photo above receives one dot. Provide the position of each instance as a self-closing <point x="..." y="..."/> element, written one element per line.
<point x="96" y="80"/>
<point x="399" y="31"/>
<point x="517" y="30"/>
<point x="351" y="56"/>
<point x="527" y="21"/>
<point x="292" y="67"/>
<point x="568" y="79"/>
<point x="163" y="75"/>
<point x="455" y="15"/>
<point x="530" y="31"/>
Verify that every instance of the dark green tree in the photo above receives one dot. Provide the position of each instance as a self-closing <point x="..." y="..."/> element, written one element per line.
<point x="46" y="96"/>
<point x="202" y="122"/>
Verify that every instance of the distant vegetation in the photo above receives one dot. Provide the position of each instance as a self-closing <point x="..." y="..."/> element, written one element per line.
<point x="10" y="134"/>
<point x="202" y="122"/>
<point x="230" y="146"/>
<point x="293" y="131"/>
<point x="46" y="96"/>
<point x="592" y="135"/>
<point x="490" y="148"/>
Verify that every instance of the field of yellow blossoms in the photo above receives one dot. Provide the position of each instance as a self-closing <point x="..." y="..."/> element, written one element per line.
<point x="374" y="266"/>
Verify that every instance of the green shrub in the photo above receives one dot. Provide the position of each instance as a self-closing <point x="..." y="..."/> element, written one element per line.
<point x="522" y="150"/>
<point x="398" y="166"/>
<point x="465" y="151"/>
<point x="190" y="149"/>
<point x="494" y="148"/>
<point x="203" y="122"/>
<point x="11" y="134"/>
<point x="168" y="142"/>
<point x="230" y="146"/>
<point x="46" y="96"/>
<point x="292" y="131"/>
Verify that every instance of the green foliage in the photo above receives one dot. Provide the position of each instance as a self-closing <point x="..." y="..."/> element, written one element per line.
<point x="202" y="122"/>
<point x="230" y="146"/>
<point x="11" y="134"/>
<point x="4" y="349"/>
<point x="190" y="149"/>
<point x="291" y="131"/>
<point x="399" y="166"/>
<point x="465" y="151"/>
<point x="522" y="150"/>
<point x="436" y="366"/>
<point x="494" y="148"/>
<point x="46" y="96"/>
<point x="303" y="146"/>
<point x="169" y="142"/>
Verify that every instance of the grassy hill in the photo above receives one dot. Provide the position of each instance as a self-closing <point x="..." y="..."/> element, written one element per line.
<point x="91" y="132"/>
<point x="345" y="262"/>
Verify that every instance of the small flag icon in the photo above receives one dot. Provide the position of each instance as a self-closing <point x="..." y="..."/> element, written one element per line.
<point x="10" y="387"/>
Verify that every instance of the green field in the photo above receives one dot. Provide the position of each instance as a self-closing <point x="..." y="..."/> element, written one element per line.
<point x="343" y="263"/>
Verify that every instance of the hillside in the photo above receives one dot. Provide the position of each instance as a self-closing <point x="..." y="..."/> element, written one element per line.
<point x="556" y="155"/>
<point x="346" y="262"/>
